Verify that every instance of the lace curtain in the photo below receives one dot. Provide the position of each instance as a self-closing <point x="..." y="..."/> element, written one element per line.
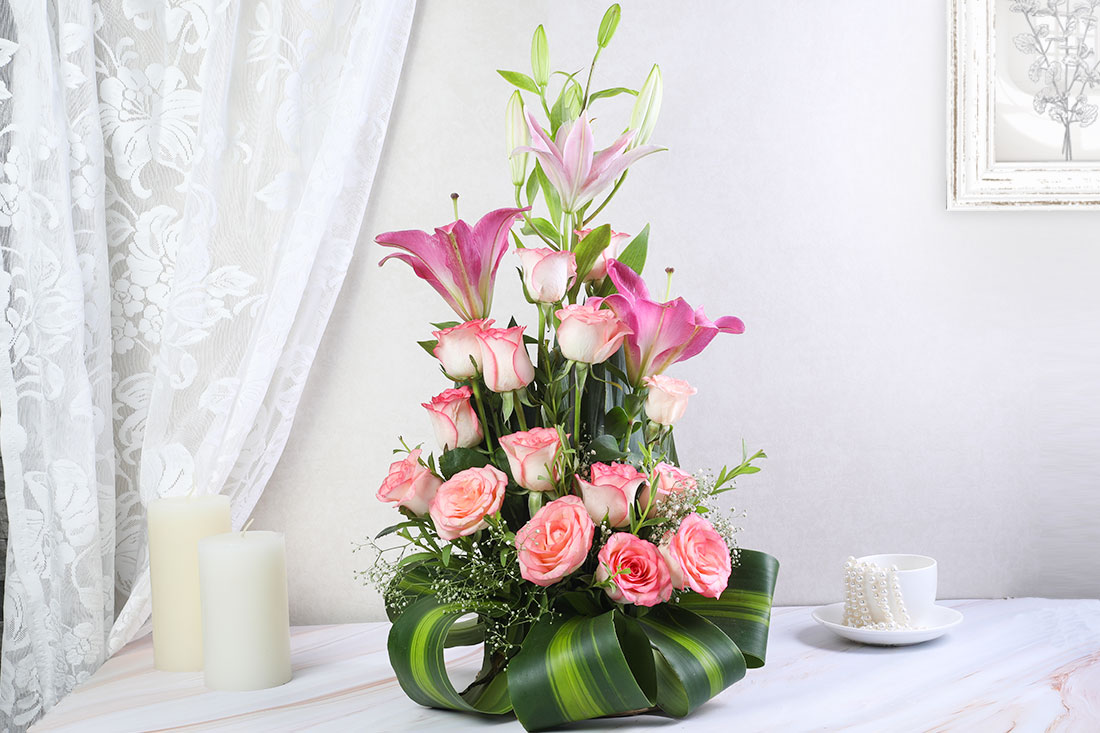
<point x="181" y="186"/>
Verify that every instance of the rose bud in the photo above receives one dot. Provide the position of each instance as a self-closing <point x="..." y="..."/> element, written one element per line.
<point x="453" y="419"/>
<point x="668" y="398"/>
<point x="610" y="492"/>
<point x="531" y="457"/>
<point x="410" y="484"/>
<point x="458" y="349"/>
<point x="505" y="364"/>
<point x="547" y="274"/>
<point x="588" y="334"/>
<point x="670" y="480"/>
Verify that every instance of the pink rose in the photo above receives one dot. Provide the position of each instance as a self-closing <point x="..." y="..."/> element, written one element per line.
<point x="670" y="480"/>
<point x="555" y="542"/>
<point x="611" y="491"/>
<point x="588" y="334"/>
<point x="668" y="398"/>
<point x="547" y="273"/>
<point x="698" y="557"/>
<point x="462" y="502"/>
<point x="638" y="573"/>
<point x="599" y="267"/>
<point x="453" y="419"/>
<point x="531" y="456"/>
<point x="505" y="364"/>
<point x="458" y="349"/>
<point x="410" y="484"/>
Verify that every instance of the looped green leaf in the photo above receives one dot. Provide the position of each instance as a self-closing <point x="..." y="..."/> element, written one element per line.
<point x="579" y="668"/>
<point x="416" y="644"/>
<point x="744" y="610"/>
<point x="695" y="659"/>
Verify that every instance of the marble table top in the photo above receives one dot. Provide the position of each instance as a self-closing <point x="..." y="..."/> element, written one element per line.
<point x="1024" y="664"/>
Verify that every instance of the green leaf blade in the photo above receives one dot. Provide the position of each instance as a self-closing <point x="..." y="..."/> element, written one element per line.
<point x="580" y="668"/>
<point x="743" y="612"/>
<point x="634" y="254"/>
<point x="699" y="660"/>
<point x="519" y="79"/>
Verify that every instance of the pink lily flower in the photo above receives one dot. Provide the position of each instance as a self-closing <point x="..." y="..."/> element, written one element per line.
<point x="571" y="162"/>
<point x="460" y="262"/>
<point x="663" y="333"/>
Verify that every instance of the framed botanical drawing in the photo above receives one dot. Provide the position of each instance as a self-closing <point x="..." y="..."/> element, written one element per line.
<point x="1023" y="100"/>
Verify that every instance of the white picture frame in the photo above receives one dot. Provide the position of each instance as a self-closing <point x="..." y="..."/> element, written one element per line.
<point x="976" y="179"/>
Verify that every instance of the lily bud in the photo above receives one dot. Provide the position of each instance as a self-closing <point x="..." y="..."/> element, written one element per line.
<point x="518" y="136"/>
<point x="647" y="107"/>
<point x="540" y="58"/>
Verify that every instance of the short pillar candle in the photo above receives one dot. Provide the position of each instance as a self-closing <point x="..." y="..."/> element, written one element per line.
<point x="176" y="524"/>
<point x="245" y="613"/>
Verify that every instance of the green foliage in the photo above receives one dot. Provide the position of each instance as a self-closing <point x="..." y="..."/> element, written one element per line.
<point x="459" y="459"/>
<point x="519" y="79"/>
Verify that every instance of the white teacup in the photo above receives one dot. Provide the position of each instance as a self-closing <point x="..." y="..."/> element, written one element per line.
<point x="916" y="576"/>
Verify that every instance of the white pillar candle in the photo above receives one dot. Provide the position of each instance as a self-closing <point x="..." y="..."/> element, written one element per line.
<point x="175" y="526"/>
<point x="245" y="614"/>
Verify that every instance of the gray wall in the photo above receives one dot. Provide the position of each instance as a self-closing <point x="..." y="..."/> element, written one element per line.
<point x="922" y="381"/>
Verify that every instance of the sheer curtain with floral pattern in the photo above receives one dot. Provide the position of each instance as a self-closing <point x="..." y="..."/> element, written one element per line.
<point x="181" y="186"/>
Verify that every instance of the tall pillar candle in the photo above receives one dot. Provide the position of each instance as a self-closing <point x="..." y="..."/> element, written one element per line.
<point x="245" y="613"/>
<point x="175" y="526"/>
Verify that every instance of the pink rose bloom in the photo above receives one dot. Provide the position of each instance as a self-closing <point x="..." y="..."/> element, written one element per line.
<point x="505" y="364"/>
<point x="410" y="484"/>
<point x="611" y="491"/>
<point x="462" y="503"/>
<point x="555" y="542"/>
<point x="670" y="480"/>
<point x="638" y="573"/>
<point x="599" y="267"/>
<point x="547" y="273"/>
<point x="453" y="419"/>
<point x="697" y="557"/>
<point x="531" y="457"/>
<point x="588" y="334"/>
<point x="668" y="398"/>
<point x="458" y="349"/>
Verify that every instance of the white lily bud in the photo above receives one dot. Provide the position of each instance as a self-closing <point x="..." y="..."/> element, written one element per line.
<point x="647" y="107"/>
<point x="518" y="136"/>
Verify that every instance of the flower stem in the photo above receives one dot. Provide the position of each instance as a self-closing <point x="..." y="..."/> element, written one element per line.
<point x="607" y="200"/>
<point x="481" y="413"/>
<point x="580" y="374"/>
<point x="519" y="413"/>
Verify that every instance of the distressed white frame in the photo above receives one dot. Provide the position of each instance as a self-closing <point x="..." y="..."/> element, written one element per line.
<point x="974" y="179"/>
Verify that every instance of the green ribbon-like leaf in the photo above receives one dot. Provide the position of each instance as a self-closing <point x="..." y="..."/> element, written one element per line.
<point x="744" y="610"/>
<point x="695" y="659"/>
<point x="579" y="668"/>
<point x="416" y="644"/>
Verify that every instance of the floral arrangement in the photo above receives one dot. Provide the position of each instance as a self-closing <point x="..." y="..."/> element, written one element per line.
<point x="555" y="526"/>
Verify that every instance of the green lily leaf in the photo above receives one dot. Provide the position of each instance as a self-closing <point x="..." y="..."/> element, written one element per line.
<point x="520" y="80"/>
<point x="580" y="668"/>
<point x="416" y="644"/>
<point x="695" y="660"/>
<point x="589" y="248"/>
<point x="613" y="92"/>
<point x="634" y="254"/>
<point x="744" y="610"/>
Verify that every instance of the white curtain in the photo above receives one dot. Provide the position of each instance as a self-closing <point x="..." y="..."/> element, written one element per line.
<point x="181" y="186"/>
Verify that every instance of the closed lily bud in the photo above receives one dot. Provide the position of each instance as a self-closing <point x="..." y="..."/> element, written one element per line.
<point x="647" y="107"/>
<point x="518" y="136"/>
<point x="540" y="58"/>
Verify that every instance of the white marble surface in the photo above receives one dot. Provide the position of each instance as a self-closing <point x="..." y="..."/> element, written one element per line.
<point x="1021" y="664"/>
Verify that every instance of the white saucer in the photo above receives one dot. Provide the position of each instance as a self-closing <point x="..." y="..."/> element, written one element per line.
<point x="943" y="619"/>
